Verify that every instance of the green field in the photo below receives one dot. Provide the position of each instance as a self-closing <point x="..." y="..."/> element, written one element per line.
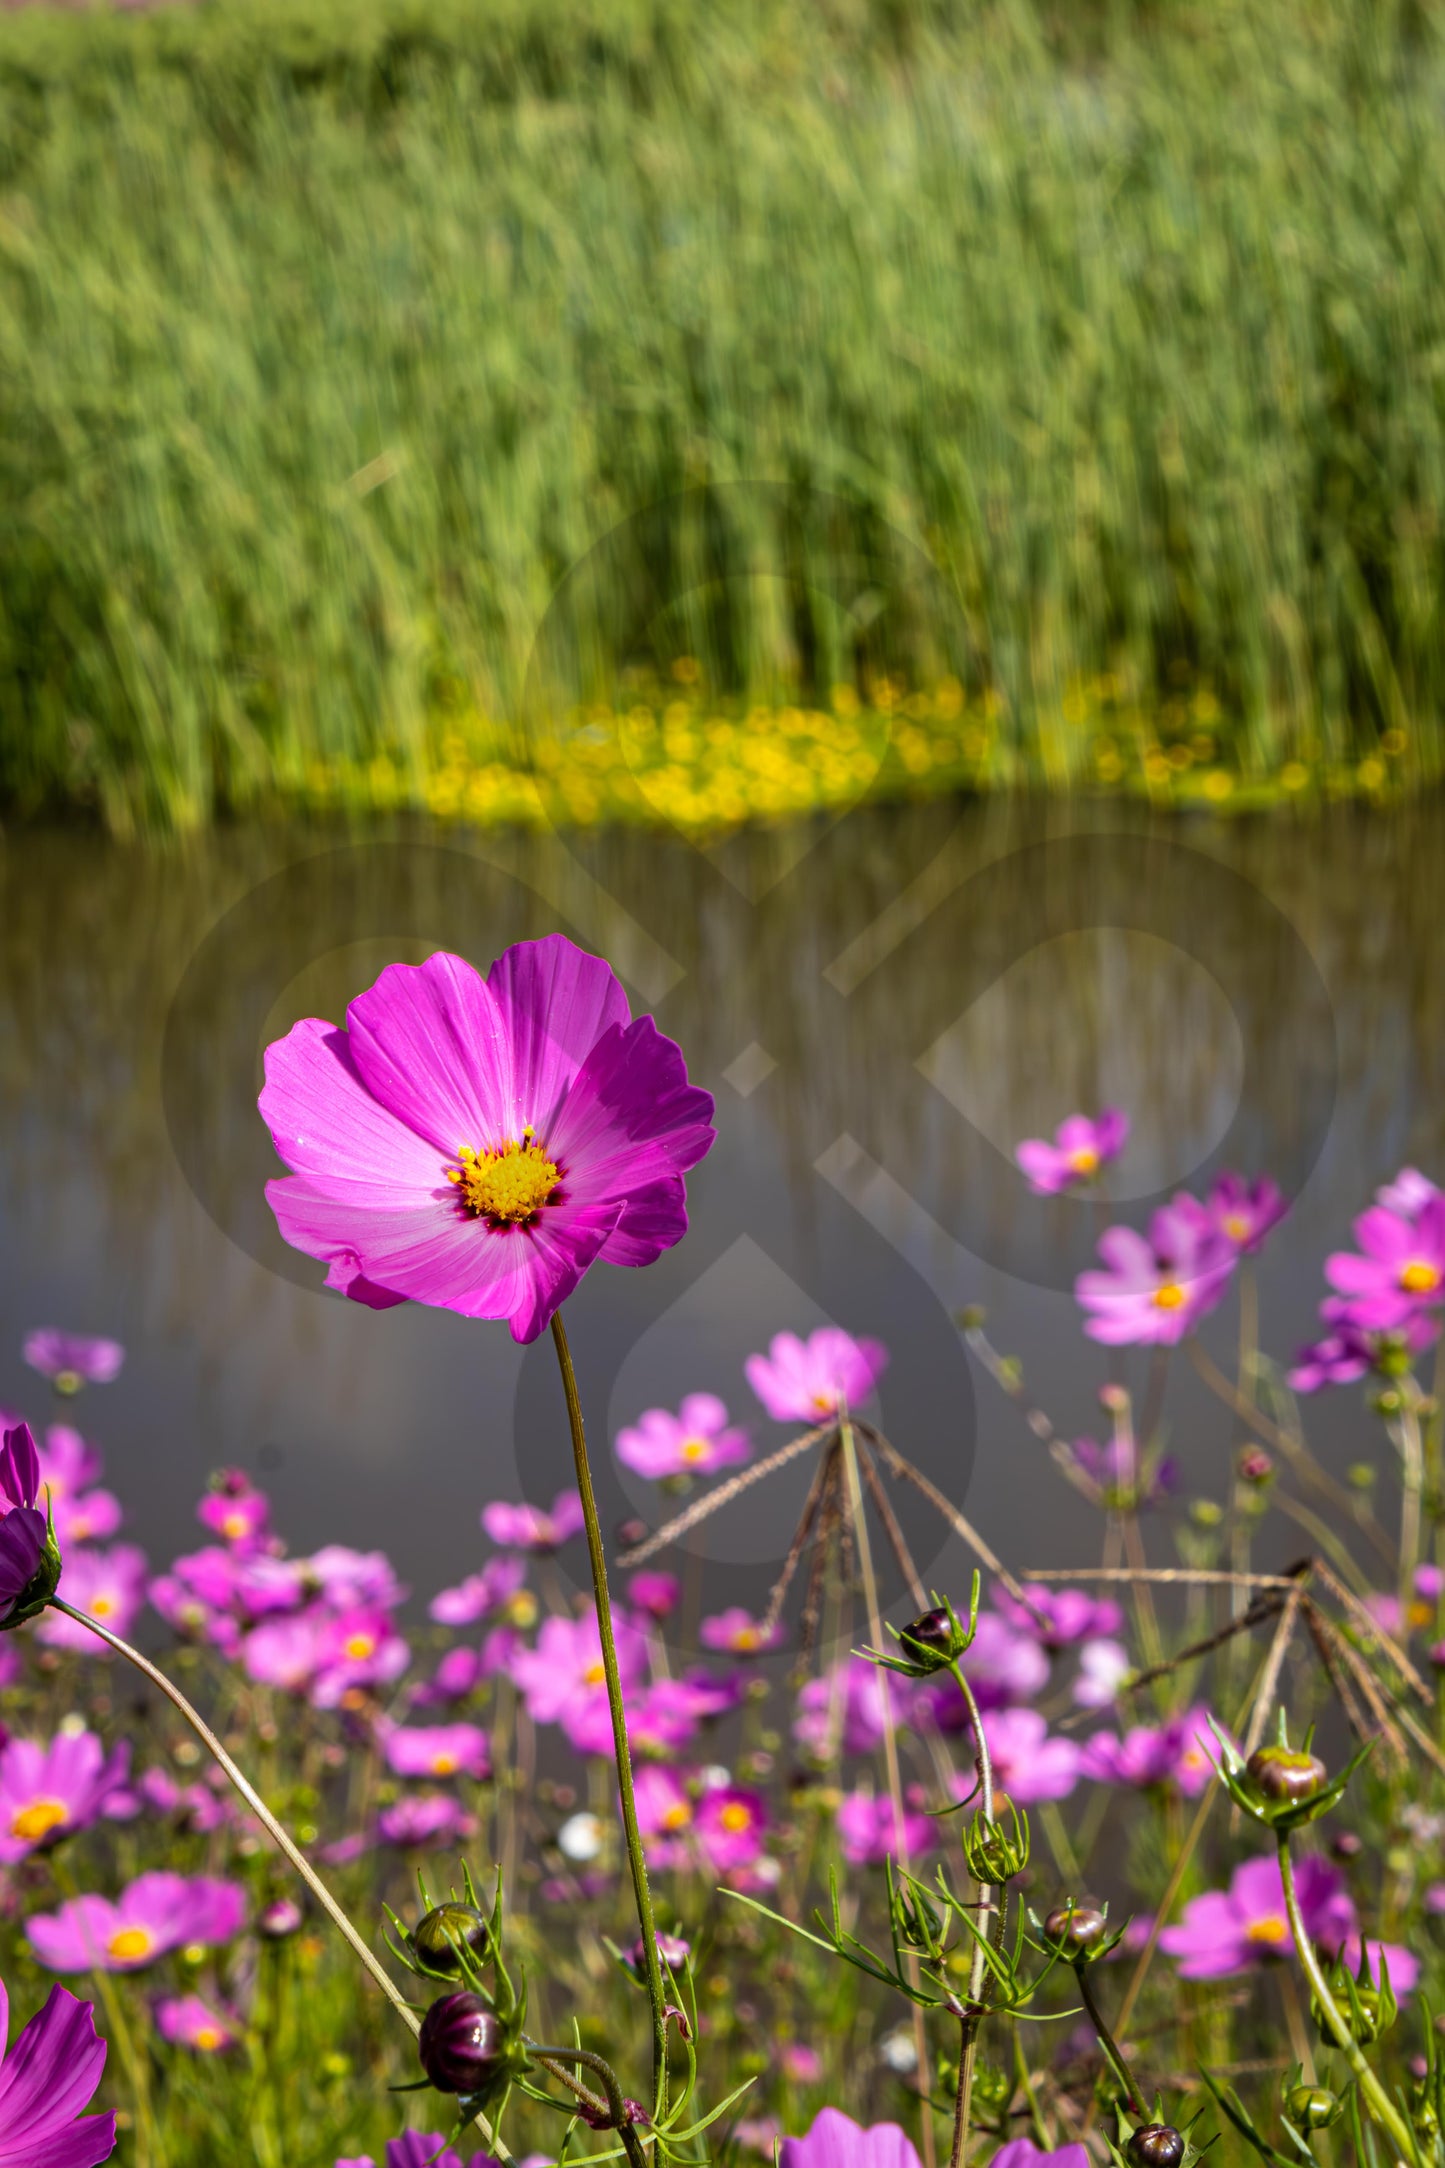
<point x="1075" y="395"/>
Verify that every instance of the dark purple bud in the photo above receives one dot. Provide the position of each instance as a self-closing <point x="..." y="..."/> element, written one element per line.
<point x="1156" y="2145"/>
<point x="280" y="1919"/>
<point x="1347" y="1845"/>
<point x="460" y="2044"/>
<point x="438" y="1933"/>
<point x="1284" y="1777"/>
<point x="1076" y="1929"/>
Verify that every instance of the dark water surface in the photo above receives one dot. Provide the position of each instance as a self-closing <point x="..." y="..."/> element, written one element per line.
<point x="882" y="1009"/>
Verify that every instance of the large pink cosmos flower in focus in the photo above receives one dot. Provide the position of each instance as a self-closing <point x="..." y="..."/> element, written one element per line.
<point x="476" y="1144"/>
<point x="49" y="2076"/>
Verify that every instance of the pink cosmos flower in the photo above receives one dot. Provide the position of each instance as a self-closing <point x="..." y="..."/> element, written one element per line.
<point x="1401" y="1270"/>
<point x="1103" y="1668"/>
<point x="729" y="1827"/>
<point x="1000" y="1665"/>
<point x="1058" y="1617"/>
<point x="286" y="1652"/>
<point x="1244" y="1212"/>
<point x="1407" y="1193"/>
<point x="426" y="1821"/>
<point x="655" y="1595"/>
<point x="68" y="1469"/>
<point x="105" y="1585"/>
<point x="49" y="2076"/>
<point x="1023" y="2153"/>
<point x="835" y="2141"/>
<point x="186" y="2022"/>
<point x="348" y="1579"/>
<point x="441" y="1750"/>
<point x="698" y="1440"/>
<point x="529" y="1528"/>
<point x="1027" y="1764"/>
<point x="664" y="1802"/>
<point x="358" y="1650"/>
<point x="860" y="1696"/>
<point x="480" y="1595"/>
<point x="868" y="1830"/>
<point x="1154" y="1292"/>
<point x="22" y="1525"/>
<point x="1080" y="1148"/>
<point x="1177" y="1753"/>
<point x="50" y="1792"/>
<point x="1233" y="1930"/>
<point x="477" y="1143"/>
<point x="1350" y="1351"/>
<point x="235" y="1510"/>
<point x="70" y="1360"/>
<point x="802" y="1380"/>
<point x="1122" y="1476"/>
<point x="413" y="2149"/>
<point x="157" y="1913"/>
<point x="740" y="1634"/>
<point x="562" y="1678"/>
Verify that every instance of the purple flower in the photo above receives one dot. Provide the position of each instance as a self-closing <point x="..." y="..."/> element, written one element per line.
<point x="696" y="1441"/>
<point x="1177" y="1753"/>
<point x="729" y="1827"/>
<point x="50" y="2074"/>
<point x="1122" y="1477"/>
<point x="562" y="1678"/>
<point x="413" y="2149"/>
<point x="1080" y="1148"/>
<point x="441" y="1750"/>
<point x="347" y="1579"/>
<point x="68" y="1468"/>
<point x="664" y="1802"/>
<point x="1027" y="1764"/>
<point x="358" y="1650"/>
<point x="1233" y="1930"/>
<point x="22" y="1525"/>
<point x="1155" y="1291"/>
<point x="477" y="1143"/>
<point x="1407" y="1193"/>
<point x="835" y="2141"/>
<point x="858" y="1695"/>
<point x="69" y="1360"/>
<point x="801" y="1380"/>
<point x="1059" y="1616"/>
<point x="286" y="1652"/>
<point x="1023" y="2153"/>
<point x="655" y="1595"/>
<point x="1000" y="1665"/>
<point x="50" y="1792"/>
<point x="235" y="1510"/>
<point x="1103" y="1668"/>
<point x="1401" y="1270"/>
<point x="738" y="1633"/>
<point x="868" y="1830"/>
<point x="106" y="1585"/>
<point x="186" y="2022"/>
<point x="481" y="1595"/>
<point x="426" y="1820"/>
<point x="160" y="1912"/>
<point x="1244" y="1212"/>
<point x="529" y="1528"/>
<point x="1350" y="1350"/>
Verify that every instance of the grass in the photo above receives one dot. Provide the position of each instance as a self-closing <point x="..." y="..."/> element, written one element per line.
<point x="398" y="404"/>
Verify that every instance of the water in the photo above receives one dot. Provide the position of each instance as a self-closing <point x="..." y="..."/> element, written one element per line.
<point x="882" y="1008"/>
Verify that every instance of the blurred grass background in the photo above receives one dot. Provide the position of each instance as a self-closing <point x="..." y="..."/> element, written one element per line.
<point x="973" y="391"/>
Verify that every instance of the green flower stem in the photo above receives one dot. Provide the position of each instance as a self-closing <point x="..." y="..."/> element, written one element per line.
<point x="273" y="1830"/>
<point x="642" y="1894"/>
<point x="1384" y="2110"/>
<point x="554" y="2061"/>
<point x="1113" y="2054"/>
<point x="986" y="1898"/>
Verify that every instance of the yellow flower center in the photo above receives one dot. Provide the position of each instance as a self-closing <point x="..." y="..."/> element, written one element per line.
<point x="508" y="1187"/>
<point x="1236" y="1226"/>
<point x="359" y="1646"/>
<point x="102" y="1607"/>
<point x="735" y="1816"/>
<point x="68" y="1381"/>
<point x="693" y="1449"/>
<point x="594" y="1675"/>
<point x="1169" y="1295"/>
<point x="748" y="1637"/>
<point x="37" y="1820"/>
<point x="129" y="1943"/>
<point x="444" y="1765"/>
<point x="1271" y="1929"/>
<point x="208" y="2037"/>
<point x="234" y="1526"/>
<point x="677" y="1816"/>
<point x="1085" y="1160"/>
<point x="824" y="1403"/>
<point x="1418" y="1278"/>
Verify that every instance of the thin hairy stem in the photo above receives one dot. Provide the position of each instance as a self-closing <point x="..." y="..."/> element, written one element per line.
<point x="986" y="1898"/>
<point x="1113" y="2053"/>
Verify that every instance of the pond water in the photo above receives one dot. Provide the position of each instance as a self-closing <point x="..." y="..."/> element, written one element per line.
<point x="882" y="1006"/>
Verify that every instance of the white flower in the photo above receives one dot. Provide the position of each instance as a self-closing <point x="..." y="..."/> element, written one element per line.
<point x="580" y="1837"/>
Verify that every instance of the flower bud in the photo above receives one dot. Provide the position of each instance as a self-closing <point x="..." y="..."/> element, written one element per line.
<point x="995" y="1851"/>
<point x="1155" y="2145"/>
<point x="1312" y="2107"/>
<point x="1075" y="1930"/>
<point x="1285" y="1778"/>
<point x="460" y="2044"/>
<point x="1362" y="2015"/>
<point x="438" y="1933"/>
<point x="1255" y="1466"/>
<point x="920" y="1924"/>
<point x="280" y="1919"/>
<point x="935" y="1640"/>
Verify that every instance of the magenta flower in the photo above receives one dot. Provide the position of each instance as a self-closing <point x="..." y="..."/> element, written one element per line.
<point x="562" y="1678"/>
<point x="49" y="2076"/>
<point x="1177" y="1753"/>
<point x="1401" y="1270"/>
<point x="1233" y="1930"/>
<point x="106" y="1585"/>
<point x="50" y="1792"/>
<point x="426" y="1821"/>
<point x="738" y="1633"/>
<point x="481" y="1595"/>
<point x="835" y="2141"/>
<point x="655" y="1595"/>
<point x="1349" y="1350"/>
<point x="1122" y="1476"/>
<point x="477" y="1143"/>
<point x="358" y="1650"/>
<point x="529" y="1528"/>
<point x="1058" y="1617"/>
<point x="186" y="2022"/>
<point x="698" y="1440"/>
<point x="157" y="1913"/>
<point x="286" y="1652"/>
<point x="413" y="2149"/>
<point x="361" y="1580"/>
<point x="1103" y="1668"/>
<point x="729" y="1827"/>
<point x="1407" y="1193"/>
<point x="68" y="1469"/>
<point x="868" y="1830"/>
<point x="1027" y="1764"/>
<point x="235" y="1510"/>
<point x="22" y="1525"/>
<point x="1080" y="1148"/>
<point x="1244" y="1212"/>
<point x="1023" y="2153"/>
<point x="664" y="1802"/>
<point x="802" y="1380"/>
<point x="440" y="1750"/>
<point x="1000" y="1665"/>
<point x="70" y="1360"/>
<point x="859" y="1696"/>
<point x="1154" y="1292"/>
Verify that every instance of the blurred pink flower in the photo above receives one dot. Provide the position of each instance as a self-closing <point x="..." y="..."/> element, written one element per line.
<point x="1400" y="1268"/>
<point x="528" y="1528"/>
<point x="698" y="1440"/>
<point x="187" y="2022"/>
<point x="738" y="1633"/>
<point x="107" y="1585"/>
<point x="1155" y="1291"/>
<point x="868" y="1830"/>
<point x="50" y="1792"/>
<point x="804" y="1380"/>
<point x="1228" y="1931"/>
<point x="1177" y="1753"/>
<point x="1080" y="1148"/>
<point x="70" y="1360"/>
<point x="439" y="1750"/>
<point x="157" y="1913"/>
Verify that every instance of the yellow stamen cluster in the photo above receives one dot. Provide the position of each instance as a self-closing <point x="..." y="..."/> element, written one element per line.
<point x="1418" y="1278"/>
<point x="1169" y="1296"/>
<point x="34" y="1823"/>
<point x="735" y="1817"/>
<point x="1271" y="1929"/>
<point x="129" y="1943"/>
<point x="1085" y="1160"/>
<point x="693" y="1449"/>
<point x="507" y="1187"/>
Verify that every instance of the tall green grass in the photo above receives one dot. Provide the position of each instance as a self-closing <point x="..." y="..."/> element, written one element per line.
<point x="332" y="339"/>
